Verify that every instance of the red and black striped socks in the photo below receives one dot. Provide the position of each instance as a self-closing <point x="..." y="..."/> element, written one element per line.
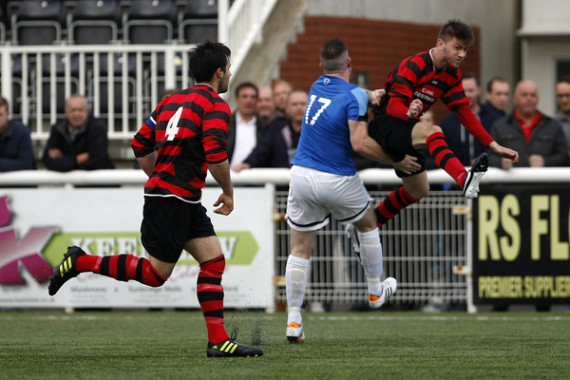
<point x="121" y="267"/>
<point x="445" y="158"/>
<point x="391" y="206"/>
<point x="211" y="297"/>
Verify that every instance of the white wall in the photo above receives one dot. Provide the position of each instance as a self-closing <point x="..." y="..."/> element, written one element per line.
<point x="544" y="39"/>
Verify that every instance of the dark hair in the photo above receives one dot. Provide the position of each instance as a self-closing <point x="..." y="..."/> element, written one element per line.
<point x="206" y="58"/>
<point x="470" y="75"/>
<point x="333" y="56"/>
<point x="563" y="79"/>
<point x="4" y="102"/>
<point x="243" y="85"/>
<point x="457" y="29"/>
<point x="492" y="81"/>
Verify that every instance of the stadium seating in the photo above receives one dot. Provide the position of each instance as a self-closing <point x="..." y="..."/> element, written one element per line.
<point x="36" y="22"/>
<point x="149" y="21"/>
<point x="94" y="22"/>
<point x="198" y="21"/>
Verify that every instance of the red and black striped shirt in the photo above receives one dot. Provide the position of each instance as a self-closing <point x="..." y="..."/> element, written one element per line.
<point x="417" y="78"/>
<point x="189" y="130"/>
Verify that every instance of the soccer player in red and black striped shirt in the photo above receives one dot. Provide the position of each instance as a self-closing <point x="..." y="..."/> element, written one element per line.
<point x="411" y="89"/>
<point x="184" y="137"/>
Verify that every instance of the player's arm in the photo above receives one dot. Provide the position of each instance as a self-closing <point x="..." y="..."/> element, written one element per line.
<point x="221" y="173"/>
<point x="215" y="142"/>
<point x="143" y="144"/>
<point x="401" y="92"/>
<point x="474" y="126"/>
<point x="367" y="147"/>
<point x="147" y="163"/>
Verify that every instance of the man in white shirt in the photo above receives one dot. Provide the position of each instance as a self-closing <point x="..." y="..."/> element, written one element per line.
<point x="245" y="128"/>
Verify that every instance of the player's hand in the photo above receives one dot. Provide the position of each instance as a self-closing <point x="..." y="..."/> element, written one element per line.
<point x="226" y="203"/>
<point x="408" y="165"/>
<point x="416" y="107"/>
<point x="375" y="96"/>
<point x="504" y="152"/>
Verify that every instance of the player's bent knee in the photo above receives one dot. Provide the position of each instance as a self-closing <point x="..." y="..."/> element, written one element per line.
<point x="434" y="129"/>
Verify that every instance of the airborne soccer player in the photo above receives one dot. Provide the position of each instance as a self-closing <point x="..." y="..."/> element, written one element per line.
<point x="189" y="130"/>
<point x="412" y="88"/>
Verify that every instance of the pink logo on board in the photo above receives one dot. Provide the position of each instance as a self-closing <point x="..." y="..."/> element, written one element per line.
<point x="17" y="254"/>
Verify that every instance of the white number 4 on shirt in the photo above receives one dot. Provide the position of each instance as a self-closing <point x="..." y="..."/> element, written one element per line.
<point x="172" y="126"/>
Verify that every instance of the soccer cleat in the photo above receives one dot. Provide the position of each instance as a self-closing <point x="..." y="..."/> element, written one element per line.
<point x="65" y="270"/>
<point x="295" y="333"/>
<point x="231" y="349"/>
<point x="389" y="287"/>
<point x="474" y="175"/>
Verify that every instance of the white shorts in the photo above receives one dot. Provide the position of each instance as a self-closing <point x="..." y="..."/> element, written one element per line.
<point x="315" y="196"/>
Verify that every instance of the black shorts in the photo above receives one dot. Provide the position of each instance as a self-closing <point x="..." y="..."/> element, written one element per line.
<point x="168" y="223"/>
<point x="395" y="137"/>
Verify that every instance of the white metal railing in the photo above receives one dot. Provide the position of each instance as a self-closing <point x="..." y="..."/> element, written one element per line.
<point x="122" y="82"/>
<point x="277" y="176"/>
<point x="246" y="19"/>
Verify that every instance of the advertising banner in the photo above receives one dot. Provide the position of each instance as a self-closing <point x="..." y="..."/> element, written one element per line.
<point x="521" y="245"/>
<point x="37" y="226"/>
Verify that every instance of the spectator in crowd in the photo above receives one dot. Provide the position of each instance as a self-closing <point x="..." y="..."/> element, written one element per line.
<point x="245" y="128"/>
<point x="16" y="150"/>
<point x="281" y="88"/>
<point x="538" y="138"/>
<point x="563" y="102"/>
<point x="497" y="96"/>
<point x="460" y="141"/>
<point x="279" y="144"/>
<point x="266" y="105"/>
<point x="79" y="142"/>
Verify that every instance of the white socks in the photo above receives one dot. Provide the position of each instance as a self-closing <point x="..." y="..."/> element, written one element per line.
<point x="371" y="259"/>
<point x="295" y="283"/>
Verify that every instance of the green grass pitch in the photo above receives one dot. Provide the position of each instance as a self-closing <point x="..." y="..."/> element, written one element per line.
<point x="368" y="345"/>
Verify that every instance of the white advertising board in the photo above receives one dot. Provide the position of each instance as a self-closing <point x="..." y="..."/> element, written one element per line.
<point x="37" y="226"/>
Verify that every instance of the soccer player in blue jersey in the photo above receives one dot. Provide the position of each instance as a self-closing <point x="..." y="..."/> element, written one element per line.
<point x="324" y="182"/>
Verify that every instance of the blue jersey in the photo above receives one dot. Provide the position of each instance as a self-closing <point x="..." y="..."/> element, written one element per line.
<point x="325" y="137"/>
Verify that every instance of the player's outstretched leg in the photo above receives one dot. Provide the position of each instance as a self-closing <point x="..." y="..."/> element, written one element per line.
<point x="66" y="270"/>
<point x="474" y="176"/>
<point x="389" y="287"/>
<point x="122" y="267"/>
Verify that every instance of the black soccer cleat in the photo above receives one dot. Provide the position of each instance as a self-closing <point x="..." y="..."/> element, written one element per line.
<point x="474" y="176"/>
<point x="229" y="349"/>
<point x="65" y="270"/>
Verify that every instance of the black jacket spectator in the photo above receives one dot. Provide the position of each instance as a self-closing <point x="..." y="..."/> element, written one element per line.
<point x="90" y="138"/>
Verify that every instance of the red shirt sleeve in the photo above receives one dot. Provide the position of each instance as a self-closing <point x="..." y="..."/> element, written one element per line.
<point x="401" y="90"/>
<point x="215" y="133"/>
<point x="472" y="124"/>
